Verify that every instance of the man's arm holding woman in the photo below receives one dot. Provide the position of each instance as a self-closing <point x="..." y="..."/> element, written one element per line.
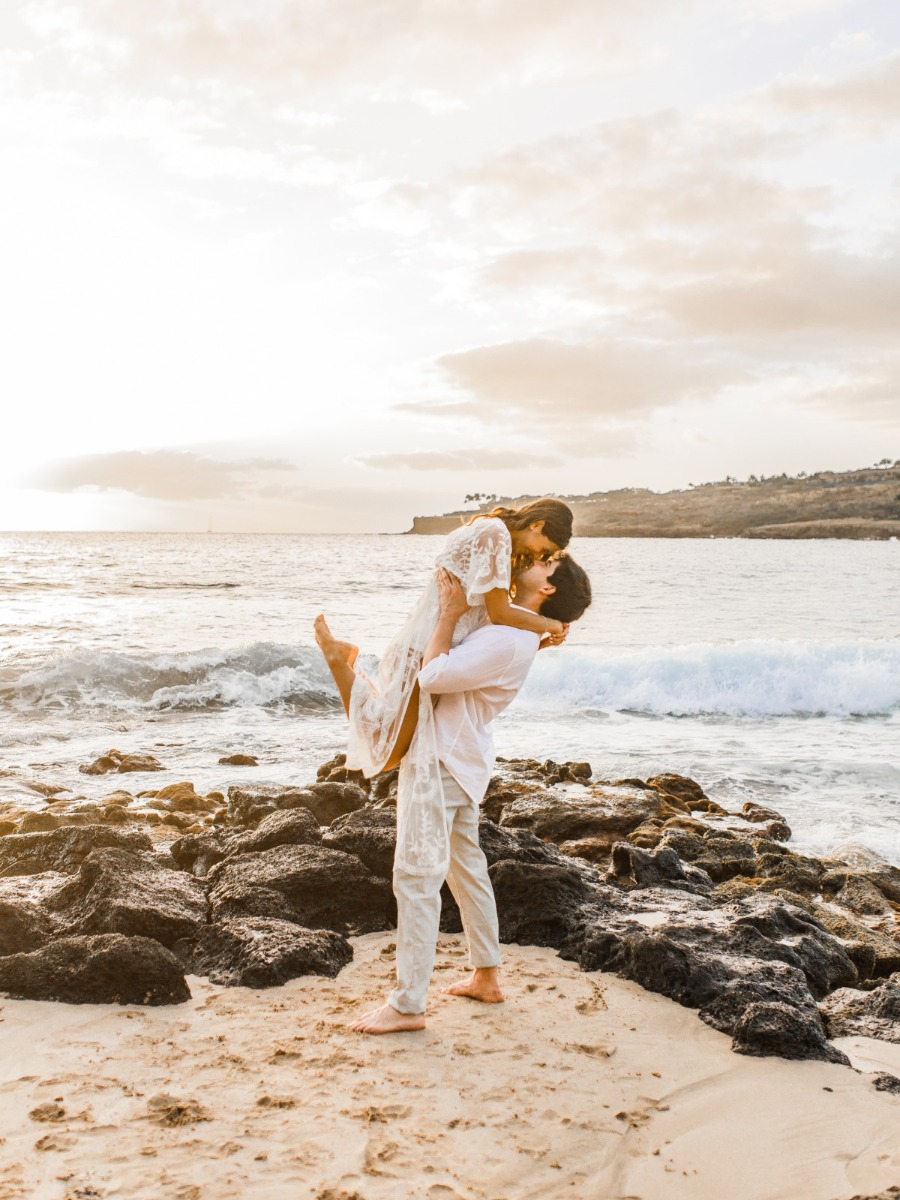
<point x="472" y="664"/>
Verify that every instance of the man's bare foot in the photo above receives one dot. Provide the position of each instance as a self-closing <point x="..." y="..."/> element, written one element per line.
<point x="388" y="1020"/>
<point x="481" y="985"/>
<point x="331" y="647"/>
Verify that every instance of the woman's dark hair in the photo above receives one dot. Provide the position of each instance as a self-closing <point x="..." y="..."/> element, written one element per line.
<point x="573" y="592"/>
<point x="557" y="518"/>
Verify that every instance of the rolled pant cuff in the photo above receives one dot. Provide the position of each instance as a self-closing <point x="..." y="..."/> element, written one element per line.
<point x="397" y="1001"/>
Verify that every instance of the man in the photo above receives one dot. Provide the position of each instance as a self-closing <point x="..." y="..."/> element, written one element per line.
<point x="471" y="684"/>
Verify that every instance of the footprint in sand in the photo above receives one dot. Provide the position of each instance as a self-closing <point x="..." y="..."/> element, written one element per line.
<point x="635" y="1118"/>
<point x="594" y="1003"/>
<point x="167" y="1110"/>
<point x="594" y="1050"/>
<point x="55" y="1141"/>
<point x="381" y="1115"/>
<point x="50" y="1111"/>
<point x="378" y="1154"/>
<point x="276" y="1102"/>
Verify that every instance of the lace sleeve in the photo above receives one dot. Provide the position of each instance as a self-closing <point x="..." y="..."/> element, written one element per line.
<point x="481" y="558"/>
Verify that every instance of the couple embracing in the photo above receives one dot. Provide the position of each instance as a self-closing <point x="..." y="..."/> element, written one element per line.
<point x="503" y="588"/>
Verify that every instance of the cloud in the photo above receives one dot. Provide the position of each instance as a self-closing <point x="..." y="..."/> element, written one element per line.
<point x="871" y="388"/>
<point x="457" y="460"/>
<point x="320" y="39"/>
<point x="868" y="98"/>
<point x="621" y="178"/>
<point x="696" y="266"/>
<point x="824" y="291"/>
<point x="172" y="475"/>
<point x="538" y="379"/>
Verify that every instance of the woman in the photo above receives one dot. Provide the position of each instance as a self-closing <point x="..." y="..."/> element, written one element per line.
<point x="390" y="722"/>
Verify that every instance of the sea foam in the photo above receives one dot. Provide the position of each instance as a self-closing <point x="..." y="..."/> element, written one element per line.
<point x="757" y="678"/>
<point x="739" y="679"/>
<point x="259" y="675"/>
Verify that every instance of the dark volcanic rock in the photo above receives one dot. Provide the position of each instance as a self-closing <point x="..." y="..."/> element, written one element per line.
<point x="764" y="982"/>
<point x="289" y="827"/>
<point x="261" y="952"/>
<point x="337" y="771"/>
<point x="862" y="897"/>
<point x="654" y="868"/>
<point x="848" y="1013"/>
<point x="116" y="891"/>
<point x="38" y="822"/>
<point x="776" y="827"/>
<point x="791" y="872"/>
<point x="519" y="845"/>
<point x="565" y="772"/>
<point x="876" y="954"/>
<point x="64" y="849"/>
<point x="326" y="801"/>
<point x="722" y="854"/>
<point x="23" y="927"/>
<point x="199" y="852"/>
<point x="537" y="903"/>
<point x="883" y="1082"/>
<point x="789" y="934"/>
<point x="383" y="788"/>
<point x="602" y="813"/>
<point x="332" y="800"/>
<point x="370" y="834"/>
<point x="107" y="969"/>
<point x="686" y="790"/>
<point x="312" y="886"/>
<point x="774" y="1028"/>
<point x="115" y="760"/>
<point x="503" y="791"/>
<point x="765" y="952"/>
<point x="248" y="804"/>
<point x="658" y="963"/>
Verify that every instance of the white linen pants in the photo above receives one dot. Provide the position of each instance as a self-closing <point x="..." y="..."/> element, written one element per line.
<point x="419" y="905"/>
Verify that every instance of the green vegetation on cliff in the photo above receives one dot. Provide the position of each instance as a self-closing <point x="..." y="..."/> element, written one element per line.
<point x="863" y="504"/>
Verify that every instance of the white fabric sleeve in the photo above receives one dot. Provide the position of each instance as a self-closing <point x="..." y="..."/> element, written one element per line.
<point x="488" y="563"/>
<point x="474" y="663"/>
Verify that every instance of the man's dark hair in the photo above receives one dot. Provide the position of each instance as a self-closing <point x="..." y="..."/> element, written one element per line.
<point x="573" y="592"/>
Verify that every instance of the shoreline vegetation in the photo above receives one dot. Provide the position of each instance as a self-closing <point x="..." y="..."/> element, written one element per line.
<point x="862" y="505"/>
<point x="180" y="970"/>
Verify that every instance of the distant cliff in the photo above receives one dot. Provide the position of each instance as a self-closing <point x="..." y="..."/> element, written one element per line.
<point x="861" y="504"/>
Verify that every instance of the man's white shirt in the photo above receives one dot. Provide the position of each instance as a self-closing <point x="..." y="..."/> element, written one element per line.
<point x="471" y="684"/>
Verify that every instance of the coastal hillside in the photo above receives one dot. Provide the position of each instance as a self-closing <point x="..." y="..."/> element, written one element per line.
<point x="863" y="504"/>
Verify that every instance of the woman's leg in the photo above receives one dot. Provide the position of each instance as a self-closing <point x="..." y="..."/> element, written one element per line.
<point x="407" y="729"/>
<point x="340" y="657"/>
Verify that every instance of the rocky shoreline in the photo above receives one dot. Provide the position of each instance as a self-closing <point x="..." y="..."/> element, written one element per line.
<point x="647" y="879"/>
<point x="859" y="505"/>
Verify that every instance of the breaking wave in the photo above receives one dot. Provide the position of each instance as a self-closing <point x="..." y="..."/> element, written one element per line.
<point x="262" y="675"/>
<point x="740" y="679"/>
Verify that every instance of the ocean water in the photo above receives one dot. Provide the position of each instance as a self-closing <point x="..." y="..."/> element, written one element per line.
<point x="766" y="670"/>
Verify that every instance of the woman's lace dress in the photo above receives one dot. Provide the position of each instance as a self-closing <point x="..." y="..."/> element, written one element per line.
<point x="480" y="556"/>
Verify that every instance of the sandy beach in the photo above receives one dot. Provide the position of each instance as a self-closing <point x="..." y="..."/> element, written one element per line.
<point x="580" y="1085"/>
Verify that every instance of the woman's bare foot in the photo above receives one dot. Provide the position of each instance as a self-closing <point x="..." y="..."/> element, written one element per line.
<point x="482" y="985"/>
<point x="331" y="647"/>
<point x="388" y="1020"/>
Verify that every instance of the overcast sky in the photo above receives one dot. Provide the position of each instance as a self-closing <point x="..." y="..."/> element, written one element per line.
<point x="326" y="264"/>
